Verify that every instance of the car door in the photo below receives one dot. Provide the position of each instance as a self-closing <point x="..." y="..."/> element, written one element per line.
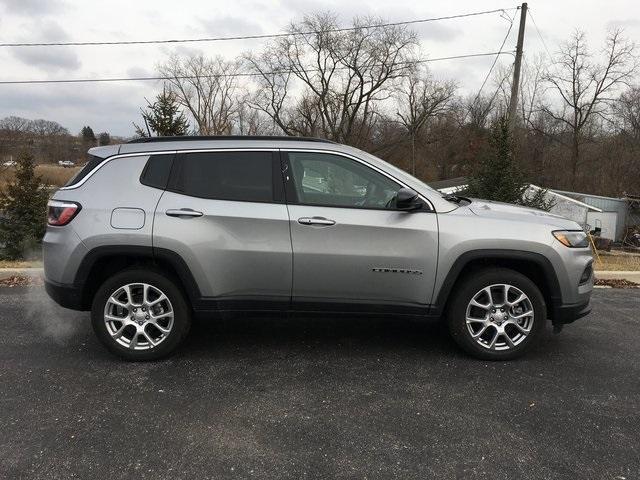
<point x="224" y="214"/>
<point x="350" y="243"/>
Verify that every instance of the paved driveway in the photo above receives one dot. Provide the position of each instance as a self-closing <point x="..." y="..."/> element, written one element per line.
<point x="318" y="398"/>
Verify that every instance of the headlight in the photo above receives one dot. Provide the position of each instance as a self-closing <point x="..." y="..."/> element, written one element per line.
<point x="571" y="238"/>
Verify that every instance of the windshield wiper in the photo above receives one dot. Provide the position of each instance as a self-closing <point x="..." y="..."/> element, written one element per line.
<point x="456" y="198"/>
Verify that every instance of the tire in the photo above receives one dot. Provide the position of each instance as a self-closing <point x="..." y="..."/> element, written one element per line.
<point x="159" y="324"/>
<point x="522" y="333"/>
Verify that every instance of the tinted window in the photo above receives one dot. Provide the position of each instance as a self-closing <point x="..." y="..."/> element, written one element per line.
<point x="332" y="180"/>
<point x="92" y="162"/>
<point x="156" y="172"/>
<point x="246" y="176"/>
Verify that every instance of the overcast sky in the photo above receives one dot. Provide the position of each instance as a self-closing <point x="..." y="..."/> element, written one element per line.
<point x="113" y="106"/>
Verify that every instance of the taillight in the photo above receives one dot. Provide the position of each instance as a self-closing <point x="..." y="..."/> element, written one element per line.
<point x="60" y="212"/>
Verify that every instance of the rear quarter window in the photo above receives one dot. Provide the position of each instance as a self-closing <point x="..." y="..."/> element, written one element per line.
<point x="92" y="162"/>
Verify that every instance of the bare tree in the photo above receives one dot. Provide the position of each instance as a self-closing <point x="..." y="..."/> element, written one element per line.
<point x="532" y="88"/>
<point x="477" y="111"/>
<point x="586" y="87"/>
<point x="628" y="112"/>
<point x="207" y="89"/>
<point x="421" y="98"/>
<point x="15" y="124"/>
<point x="251" y="121"/>
<point x="344" y="74"/>
<point x="45" y="128"/>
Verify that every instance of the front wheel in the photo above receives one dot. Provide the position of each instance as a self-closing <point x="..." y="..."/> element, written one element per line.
<point x="140" y="315"/>
<point x="496" y="314"/>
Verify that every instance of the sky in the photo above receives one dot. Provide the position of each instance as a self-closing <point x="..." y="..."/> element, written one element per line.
<point x="112" y="107"/>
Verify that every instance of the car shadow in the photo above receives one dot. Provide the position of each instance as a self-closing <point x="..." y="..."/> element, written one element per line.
<point x="333" y="334"/>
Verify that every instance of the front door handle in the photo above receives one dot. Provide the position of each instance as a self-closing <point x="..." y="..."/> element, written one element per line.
<point x="316" y="221"/>
<point x="183" y="212"/>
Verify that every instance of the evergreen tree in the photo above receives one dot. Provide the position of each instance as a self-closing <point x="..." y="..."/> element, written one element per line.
<point x="87" y="135"/>
<point x="104" y="138"/>
<point x="24" y="204"/>
<point x="163" y="117"/>
<point x="499" y="178"/>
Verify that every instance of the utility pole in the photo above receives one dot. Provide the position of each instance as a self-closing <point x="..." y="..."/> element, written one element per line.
<point x="515" y="85"/>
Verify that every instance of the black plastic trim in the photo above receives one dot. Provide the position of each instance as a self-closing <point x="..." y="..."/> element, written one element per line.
<point x="370" y="307"/>
<point x="142" y="252"/>
<point x="243" y="303"/>
<point x="589" y="271"/>
<point x="67" y="296"/>
<point x="196" y="138"/>
<point x="89" y="260"/>
<point x="498" y="254"/>
<point x="563" y="314"/>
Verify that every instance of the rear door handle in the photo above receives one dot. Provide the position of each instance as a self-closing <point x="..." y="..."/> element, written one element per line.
<point x="316" y="221"/>
<point x="183" y="212"/>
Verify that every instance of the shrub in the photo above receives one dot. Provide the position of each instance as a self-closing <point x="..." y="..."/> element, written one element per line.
<point x="24" y="204"/>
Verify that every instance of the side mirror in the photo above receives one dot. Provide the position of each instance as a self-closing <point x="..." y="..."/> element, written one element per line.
<point x="408" y="199"/>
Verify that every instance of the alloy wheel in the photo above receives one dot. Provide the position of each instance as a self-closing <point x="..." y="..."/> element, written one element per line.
<point x="499" y="317"/>
<point x="138" y="316"/>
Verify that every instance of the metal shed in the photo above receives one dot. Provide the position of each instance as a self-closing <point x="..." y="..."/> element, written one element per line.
<point x="612" y="218"/>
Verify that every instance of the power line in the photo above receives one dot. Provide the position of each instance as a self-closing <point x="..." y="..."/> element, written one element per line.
<point x="222" y="75"/>
<point x="495" y="61"/>
<point x="544" y="44"/>
<point x="253" y="37"/>
<point x="473" y="103"/>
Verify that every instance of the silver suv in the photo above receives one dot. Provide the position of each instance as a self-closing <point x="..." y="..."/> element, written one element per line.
<point x="155" y="231"/>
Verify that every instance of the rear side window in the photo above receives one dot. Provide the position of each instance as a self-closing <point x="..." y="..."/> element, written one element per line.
<point x="92" y="162"/>
<point x="243" y="176"/>
<point x="156" y="172"/>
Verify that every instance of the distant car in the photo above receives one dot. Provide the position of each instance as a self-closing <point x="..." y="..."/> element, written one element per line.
<point x="10" y="163"/>
<point x="66" y="163"/>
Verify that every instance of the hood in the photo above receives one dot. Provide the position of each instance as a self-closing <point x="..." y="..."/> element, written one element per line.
<point x="508" y="211"/>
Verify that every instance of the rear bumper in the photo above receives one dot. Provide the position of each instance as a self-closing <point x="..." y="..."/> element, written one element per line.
<point x="568" y="313"/>
<point x="67" y="296"/>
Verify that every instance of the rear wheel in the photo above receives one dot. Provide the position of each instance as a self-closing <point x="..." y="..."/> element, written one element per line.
<point x="496" y="314"/>
<point x="140" y="315"/>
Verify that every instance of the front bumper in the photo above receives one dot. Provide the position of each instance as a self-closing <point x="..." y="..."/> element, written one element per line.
<point x="567" y="313"/>
<point x="67" y="296"/>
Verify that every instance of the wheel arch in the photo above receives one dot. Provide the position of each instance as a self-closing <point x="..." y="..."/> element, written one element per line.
<point x="102" y="262"/>
<point x="533" y="265"/>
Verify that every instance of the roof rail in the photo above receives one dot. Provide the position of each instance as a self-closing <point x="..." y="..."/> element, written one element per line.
<point x="191" y="138"/>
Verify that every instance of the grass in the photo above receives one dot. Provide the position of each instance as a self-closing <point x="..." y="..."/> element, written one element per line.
<point x="56" y="175"/>
<point x="20" y="263"/>
<point x="51" y="174"/>
<point x="618" y="261"/>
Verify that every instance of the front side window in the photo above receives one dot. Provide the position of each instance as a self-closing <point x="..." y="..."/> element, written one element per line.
<point x="243" y="176"/>
<point x="332" y="180"/>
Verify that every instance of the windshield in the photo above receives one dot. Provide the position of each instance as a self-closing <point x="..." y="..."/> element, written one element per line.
<point x="398" y="172"/>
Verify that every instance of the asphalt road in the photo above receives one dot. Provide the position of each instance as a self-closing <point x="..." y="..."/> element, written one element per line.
<point x="318" y="398"/>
